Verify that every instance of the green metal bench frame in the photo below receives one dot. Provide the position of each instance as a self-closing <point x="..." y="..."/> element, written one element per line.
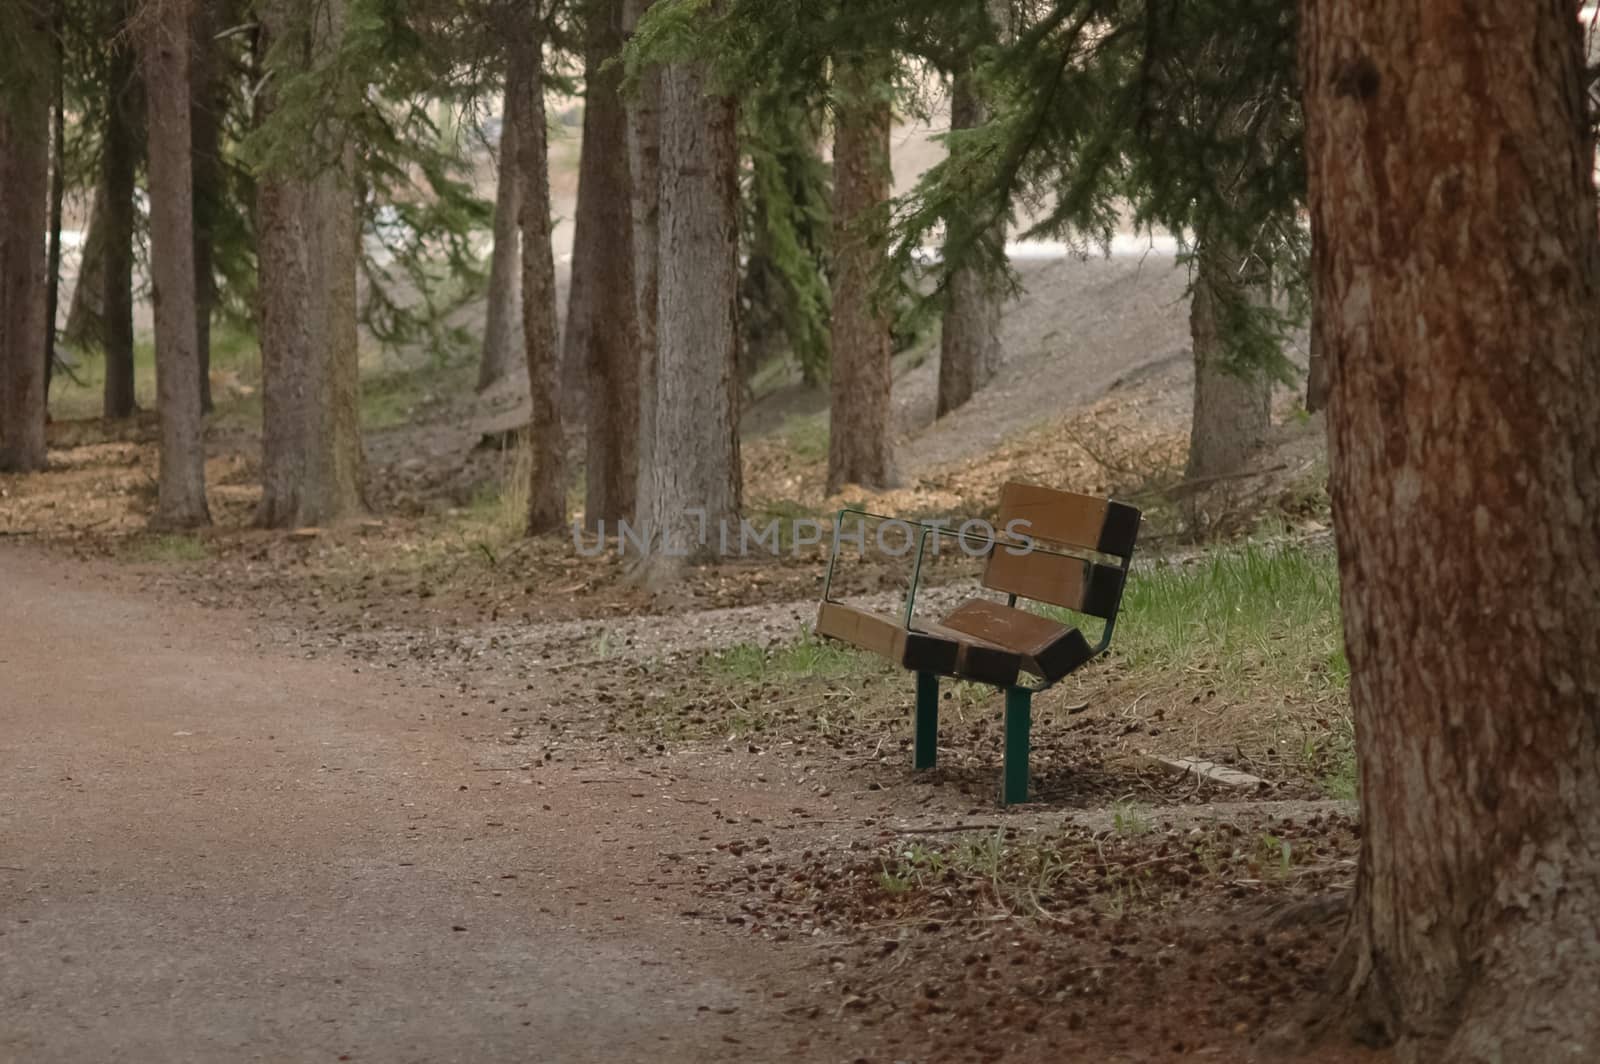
<point x="1019" y="697"/>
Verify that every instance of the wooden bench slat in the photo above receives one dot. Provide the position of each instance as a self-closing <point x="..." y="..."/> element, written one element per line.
<point x="1049" y="650"/>
<point x="1007" y="626"/>
<point x="978" y="659"/>
<point x="1069" y="518"/>
<point x="1055" y="578"/>
<point x="887" y="637"/>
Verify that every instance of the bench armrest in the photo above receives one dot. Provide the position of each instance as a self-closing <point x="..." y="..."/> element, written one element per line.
<point x="916" y="571"/>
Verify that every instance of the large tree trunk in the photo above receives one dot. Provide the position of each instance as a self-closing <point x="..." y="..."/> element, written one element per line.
<point x="969" y="344"/>
<point x="644" y="165"/>
<point x="208" y="101"/>
<point x="603" y="252"/>
<point x="1457" y="271"/>
<point x="311" y="439"/>
<point x="502" y="330"/>
<point x="860" y="448"/>
<point x="24" y="186"/>
<point x="696" y="480"/>
<point x="1232" y="402"/>
<point x="547" y="488"/>
<point x="119" y="161"/>
<point x="181" y="481"/>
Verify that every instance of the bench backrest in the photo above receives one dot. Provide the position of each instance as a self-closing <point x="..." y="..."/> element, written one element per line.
<point x="1062" y="520"/>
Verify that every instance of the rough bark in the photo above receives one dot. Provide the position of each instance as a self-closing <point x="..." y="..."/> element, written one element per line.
<point x="860" y="447"/>
<point x="181" y="478"/>
<point x="208" y="101"/>
<point x="24" y="186"/>
<point x="1316" y="370"/>
<point x="969" y="344"/>
<point x="1232" y="404"/>
<point x="85" y="313"/>
<point x="502" y="330"/>
<point x="1457" y="269"/>
<point x="58" y="192"/>
<point x="547" y="488"/>
<point x="603" y="253"/>
<point x="307" y="234"/>
<point x="644" y="165"/>
<point x="119" y="160"/>
<point x="695" y="480"/>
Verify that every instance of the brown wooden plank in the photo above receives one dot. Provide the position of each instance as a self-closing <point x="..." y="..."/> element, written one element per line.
<point x="1036" y="575"/>
<point x="1053" y="516"/>
<point x="978" y="659"/>
<point x="994" y="622"/>
<point x="858" y="627"/>
<point x="1049" y="650"/>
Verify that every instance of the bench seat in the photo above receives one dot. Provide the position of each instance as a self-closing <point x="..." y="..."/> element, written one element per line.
<point x="929" y="648"/>
<point x="1048" y="650"/>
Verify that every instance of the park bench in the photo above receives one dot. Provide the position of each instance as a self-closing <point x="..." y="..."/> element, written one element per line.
<point x="1050" y="547"/>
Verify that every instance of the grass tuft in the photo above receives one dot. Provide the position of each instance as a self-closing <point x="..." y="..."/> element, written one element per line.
<point x="1246" y="618"/>
<point x="168" y="548"/>
<point x="805" y="658"/>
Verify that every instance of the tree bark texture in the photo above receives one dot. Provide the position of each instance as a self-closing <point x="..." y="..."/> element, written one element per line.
<point x="696" y="480"/>
<point x="547" y="488"/>
<point x="1232" y="404"/>
<point x="86" y="312"/>
<point x="181" y="479"/>
<point x="119" y="161"/>
<point x="308" y="243"/>
<point x="1457" y="269"/>
<point x="969" y="343"/>
<point x="24" y="188"/>
<point x="644" y="166"/>
<point x="58" y="192"/>
<point x="208" y="102"/>
<point x="502" y="331"/>
<point x="603" y="251"/>
<point x="860" y="447"/>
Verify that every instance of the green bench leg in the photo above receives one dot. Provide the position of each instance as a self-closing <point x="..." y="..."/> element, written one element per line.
<point x="1019" y="723"/>
<point x="926" y="752"/>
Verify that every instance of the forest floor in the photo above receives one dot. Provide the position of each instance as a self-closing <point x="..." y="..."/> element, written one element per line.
<point x="414" y="788"/>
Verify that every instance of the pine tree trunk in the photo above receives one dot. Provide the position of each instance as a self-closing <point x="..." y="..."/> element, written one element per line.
<point x="86" y="313"/>
<point x="58" y="191"/>
<point x="119" y="159"/>
<point x="860" y="450"/>
<point x="696" y="478"/>
<point x="547" y="489"/>
<point x="1317" y="371"/>
<point x="644" y="165"/>
<point x="181" y="481"/>
<point x="24" y="188"/>
<point x="1457" y="269"/>
<point x="502" y="331"/>
<point x="603" y="252"/>
<point x="307" y="235"/>
<point x="969" y="344"/>
<point x="1232" y="410"/>
<point x="208" y="101"/>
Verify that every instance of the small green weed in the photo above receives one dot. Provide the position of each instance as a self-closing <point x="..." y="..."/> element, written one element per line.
<point x="168" y="548"/>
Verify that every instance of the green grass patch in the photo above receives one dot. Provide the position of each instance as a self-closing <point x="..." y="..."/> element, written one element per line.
<point x="806" y="437"/>
<point x="806" y="658"/>
<point x="168" y="548"/>
<point x="397" y="397"/>
<point x="80" y="395"/>
<point x="1245" y="618"/>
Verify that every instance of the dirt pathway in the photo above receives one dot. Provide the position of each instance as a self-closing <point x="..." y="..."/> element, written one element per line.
<point x="209" y="852"/>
